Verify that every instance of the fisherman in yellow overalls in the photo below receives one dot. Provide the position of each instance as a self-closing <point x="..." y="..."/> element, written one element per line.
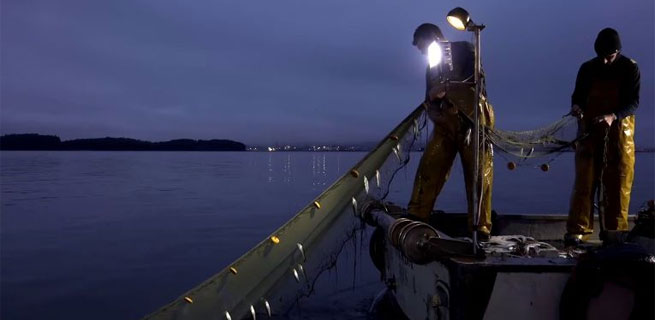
<point x="605" y="98"/>
<point x="450" y="107"/>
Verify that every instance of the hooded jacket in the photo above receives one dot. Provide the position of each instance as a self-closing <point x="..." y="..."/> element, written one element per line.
<point x="621" y="76"/>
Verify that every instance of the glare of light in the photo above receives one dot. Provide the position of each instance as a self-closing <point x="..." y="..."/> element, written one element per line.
<point x="434" y="54"/>
<point x="456" y="23"/>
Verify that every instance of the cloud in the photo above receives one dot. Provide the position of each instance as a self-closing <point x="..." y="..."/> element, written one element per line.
<point x="283" y="71"/>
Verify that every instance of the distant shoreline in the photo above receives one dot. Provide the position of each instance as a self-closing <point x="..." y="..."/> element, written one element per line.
<point x="38" y="142"/>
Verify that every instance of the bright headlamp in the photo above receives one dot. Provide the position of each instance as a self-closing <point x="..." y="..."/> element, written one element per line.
<point x="435" y="54"/>
<point x="440" y="59"/>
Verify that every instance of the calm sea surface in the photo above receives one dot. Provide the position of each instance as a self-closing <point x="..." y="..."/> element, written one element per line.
<point x="115" y="235"/>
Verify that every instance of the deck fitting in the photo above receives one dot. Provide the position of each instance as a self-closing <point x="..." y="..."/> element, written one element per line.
<point x="295" y="275"/>
<point x="268" y="308"/>
<point x="302" y="250"/>
<point x="377" y="178"/>
<point x="397" y="153"/>
<point x="302" y="270"/>
<point x="253" y="313"/>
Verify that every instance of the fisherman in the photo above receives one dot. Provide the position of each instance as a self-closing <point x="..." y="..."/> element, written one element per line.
<point x="605" y="98"/>
<point x="450" y="104"/>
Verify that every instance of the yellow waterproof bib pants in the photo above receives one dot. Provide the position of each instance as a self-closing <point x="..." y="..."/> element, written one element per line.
<point x="617" y="164"/>
<point x="449" y="138"/>
<point x="618" y="175"/>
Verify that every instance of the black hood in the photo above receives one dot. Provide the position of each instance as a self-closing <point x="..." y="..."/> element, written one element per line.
<point x="607" y="42"/>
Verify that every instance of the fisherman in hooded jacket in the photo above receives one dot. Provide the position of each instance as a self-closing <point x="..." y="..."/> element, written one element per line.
<point x="605" y="98"/>
<point x="450" y="106"/>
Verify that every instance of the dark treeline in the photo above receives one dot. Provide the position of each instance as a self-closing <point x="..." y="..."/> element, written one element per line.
<point x="47" y="142"/>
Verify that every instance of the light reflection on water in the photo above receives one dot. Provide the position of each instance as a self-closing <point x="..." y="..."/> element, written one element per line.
<point x="109" y="235"/>
<point x="319" y="171"/>
<point x="287" y="175"/>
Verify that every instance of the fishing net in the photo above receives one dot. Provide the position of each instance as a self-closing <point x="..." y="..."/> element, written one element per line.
<point x="543" y="142"/>
<point x="296" y="266"/>
<point x="376" y="177"/>
<point x="538" y="147"/>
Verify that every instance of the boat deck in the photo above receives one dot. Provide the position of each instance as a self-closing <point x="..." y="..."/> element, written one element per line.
<point x="543" y="227"/>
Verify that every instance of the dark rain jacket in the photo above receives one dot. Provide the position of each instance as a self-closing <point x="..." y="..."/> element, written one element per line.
<point x="603" y="89"/>
<point x="463" y="54"/>
<point x="459" y="96"/>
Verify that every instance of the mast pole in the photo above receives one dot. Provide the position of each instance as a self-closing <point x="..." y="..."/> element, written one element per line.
<point x="477" y="142"/>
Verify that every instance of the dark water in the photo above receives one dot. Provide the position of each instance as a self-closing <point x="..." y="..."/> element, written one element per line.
<point x="115" y="235"/>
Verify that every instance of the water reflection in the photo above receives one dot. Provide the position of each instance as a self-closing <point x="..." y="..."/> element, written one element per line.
<point x="319" y="171"/>
<point x="287" y="176"/>
<point x="269" y="166"/>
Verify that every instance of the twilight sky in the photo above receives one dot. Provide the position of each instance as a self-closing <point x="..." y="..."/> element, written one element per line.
<point x="288" y="71"/>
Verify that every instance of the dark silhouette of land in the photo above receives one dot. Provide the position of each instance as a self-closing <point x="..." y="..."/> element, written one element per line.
<point x="33" y="141"/>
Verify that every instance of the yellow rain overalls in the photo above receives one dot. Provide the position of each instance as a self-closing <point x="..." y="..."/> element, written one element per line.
<point x="605" y="91"/>
<point x="451" y="135"/>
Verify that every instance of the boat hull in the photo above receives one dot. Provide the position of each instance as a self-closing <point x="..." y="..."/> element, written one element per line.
<point x="497" y="286"/>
